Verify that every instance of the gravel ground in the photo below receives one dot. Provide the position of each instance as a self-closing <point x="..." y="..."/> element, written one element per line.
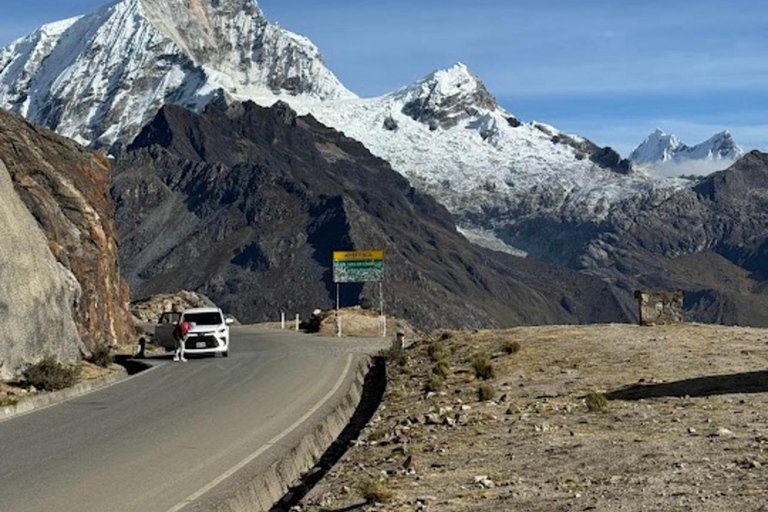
<point x="684" y="426"/>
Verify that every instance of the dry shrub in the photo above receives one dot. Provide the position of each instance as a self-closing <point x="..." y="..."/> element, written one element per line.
<point x="375" y="490"/>
<point x="482" y="366"/>
<point x="485" y="393"/>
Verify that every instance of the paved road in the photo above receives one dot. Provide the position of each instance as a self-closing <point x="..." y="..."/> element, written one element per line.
<point x="152" y="442"/>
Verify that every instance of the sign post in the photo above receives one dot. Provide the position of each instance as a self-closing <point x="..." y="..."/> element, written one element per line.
<point x="359" y="267"/>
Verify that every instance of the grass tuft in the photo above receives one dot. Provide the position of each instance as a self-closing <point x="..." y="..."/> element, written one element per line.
<point x="482" y="366"/>
<point x="436" y="351"/>
<point x="8" y="401"/>
<point x="442" y="369"/>
<point x="512" y="347"/>
<point x="485" y="393"/>
<point x="596" y="402"/>
<point x="375" y="490"/>
<point x="102" y="356"/>
<point x="435" y="383"/>
<point x="49" y="375"/>
<point x="396" y="357"/>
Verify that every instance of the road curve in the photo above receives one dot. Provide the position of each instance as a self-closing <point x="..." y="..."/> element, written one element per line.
<point x="179" y="432"/>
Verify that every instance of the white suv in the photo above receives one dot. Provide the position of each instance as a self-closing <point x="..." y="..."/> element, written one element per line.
<point x="208" y="331"/>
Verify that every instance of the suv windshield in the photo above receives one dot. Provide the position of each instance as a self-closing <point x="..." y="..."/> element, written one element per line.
<point x="204" y="319"/>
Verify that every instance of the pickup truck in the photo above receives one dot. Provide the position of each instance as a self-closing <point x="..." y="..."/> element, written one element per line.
<point x="208" y="332"/>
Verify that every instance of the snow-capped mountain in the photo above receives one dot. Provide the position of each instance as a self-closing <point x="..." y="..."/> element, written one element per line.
<point x="450" y="137"/>
<point x="100" y="78"/>
<point x="660" y="148"/>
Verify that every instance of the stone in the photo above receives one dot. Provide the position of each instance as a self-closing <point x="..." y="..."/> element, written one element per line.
<point x="723" y="432"/>
<point x="485" y="482"/>
<point x="37" y="294"/>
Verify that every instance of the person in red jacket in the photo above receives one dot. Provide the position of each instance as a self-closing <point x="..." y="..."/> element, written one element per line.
<point x="181" y="339"/>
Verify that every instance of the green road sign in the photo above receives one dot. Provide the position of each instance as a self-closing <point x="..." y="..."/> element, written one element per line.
<point x="358" y="266"/>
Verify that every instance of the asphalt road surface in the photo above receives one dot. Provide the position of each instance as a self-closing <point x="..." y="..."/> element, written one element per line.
<point x="178" y="433"/>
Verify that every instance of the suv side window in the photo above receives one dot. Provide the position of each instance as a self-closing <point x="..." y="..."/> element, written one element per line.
<point x="170" y="318"/>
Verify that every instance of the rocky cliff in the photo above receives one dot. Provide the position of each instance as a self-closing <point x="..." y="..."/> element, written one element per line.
<point x="66" y="190"/>
<point x="246" y="204"/>
<point x="37" y="294"/>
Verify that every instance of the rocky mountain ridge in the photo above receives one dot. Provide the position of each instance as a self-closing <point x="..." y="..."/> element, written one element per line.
<point x="243" y="199"/>
<point x="446" y="133"/>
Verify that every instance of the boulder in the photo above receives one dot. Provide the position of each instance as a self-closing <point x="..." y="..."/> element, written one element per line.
<point x="37" y="294"/>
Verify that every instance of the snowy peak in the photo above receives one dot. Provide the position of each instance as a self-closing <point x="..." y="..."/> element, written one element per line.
<point x="99" y="78"/>
<point x="662" y="148"/>
<point x="657" y="147"/>
<point x="446" y="97"/>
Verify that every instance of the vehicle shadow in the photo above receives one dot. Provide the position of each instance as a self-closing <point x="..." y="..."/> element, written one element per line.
<point x="749" y="382"/>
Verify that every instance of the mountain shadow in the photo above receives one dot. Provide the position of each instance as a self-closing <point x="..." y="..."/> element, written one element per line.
<point x="246" y="204"/>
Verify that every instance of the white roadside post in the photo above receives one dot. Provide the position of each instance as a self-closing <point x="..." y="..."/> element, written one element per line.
<point x="383" y="316"/>
<point x="298" y="321"/>
<point x="282" y="320"/>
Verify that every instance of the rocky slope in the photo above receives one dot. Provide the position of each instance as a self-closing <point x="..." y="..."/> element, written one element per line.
<point x="680" y="430"/>
<point x="100" y="78"/>
<point x="246" y="205"/>
<point x="710" y="239"/>
<point x="65" y="187"/>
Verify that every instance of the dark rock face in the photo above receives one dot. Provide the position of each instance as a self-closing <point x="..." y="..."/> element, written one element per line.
<point x="710" y="240"/>
<point x="247" y="204"/>
<point x="606" y="158"/>
<point x="66" y="189"/>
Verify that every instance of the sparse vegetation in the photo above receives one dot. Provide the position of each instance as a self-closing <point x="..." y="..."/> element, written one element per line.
<point x="49" y="375"/>
<point x="596" y="402"/>
<point x="435" y="383"/>
<point x="512" y="347"/>
<point x="102" y="356"/>
<point x="377" y="434"/>
<point x="442" y="369"/>
<point x="482" y="366"/>
<point x="436" y="351"/>
<point x="396" y="357"/>
<point x="375" y="490"/>
<point x="486" y="393"/>
<point x="8" y="401"/>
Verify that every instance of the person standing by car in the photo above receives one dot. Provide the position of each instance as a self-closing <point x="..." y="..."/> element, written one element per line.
<point x="181" y="339"/>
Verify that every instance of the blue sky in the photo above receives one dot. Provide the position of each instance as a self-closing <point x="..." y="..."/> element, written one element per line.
<point x="607" y="69"/>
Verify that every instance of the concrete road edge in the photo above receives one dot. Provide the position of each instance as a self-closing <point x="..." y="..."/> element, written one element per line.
<point x="264" y="491"/>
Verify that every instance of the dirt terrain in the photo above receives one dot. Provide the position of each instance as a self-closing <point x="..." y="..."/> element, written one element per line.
<point x="684" y="425"/>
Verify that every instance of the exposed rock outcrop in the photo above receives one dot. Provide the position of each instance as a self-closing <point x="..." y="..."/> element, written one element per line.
<point x="248" y="204"/>
<point x="66" y="189"/>
<point x="37" y="294"/>
<point x="150" y="309"/>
